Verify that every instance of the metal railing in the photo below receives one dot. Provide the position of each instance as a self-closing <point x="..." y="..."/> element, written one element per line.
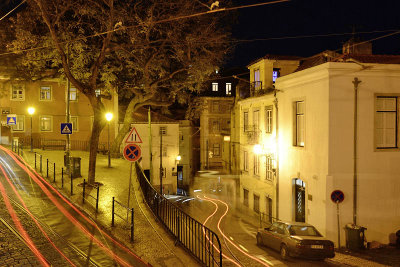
<point x="88" y="196"/>
<point x="61" y="144"/>
<point x="127" y="209"/>
<point x="196" y="238"/>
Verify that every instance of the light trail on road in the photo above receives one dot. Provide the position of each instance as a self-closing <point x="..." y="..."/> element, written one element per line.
<point x="33" y="218"/>
<point x="41" y="182"/>
<point x="212" y="200"/>
<point x="21" y="229"/>
<point x="204" y="223"/>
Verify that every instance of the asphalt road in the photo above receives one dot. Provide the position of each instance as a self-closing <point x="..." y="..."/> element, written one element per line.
<point x="215" y="195"/>
<point x="46" y="229"/>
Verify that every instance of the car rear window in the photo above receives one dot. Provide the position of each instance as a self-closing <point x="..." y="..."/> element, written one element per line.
<point x="303" y="230"/>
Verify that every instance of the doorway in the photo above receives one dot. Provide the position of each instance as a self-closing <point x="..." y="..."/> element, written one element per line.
<point x="299" y="200"/>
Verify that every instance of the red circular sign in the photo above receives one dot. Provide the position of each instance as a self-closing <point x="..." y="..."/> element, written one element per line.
<point x="337" y="196"/>
<point x="132" y="152"/>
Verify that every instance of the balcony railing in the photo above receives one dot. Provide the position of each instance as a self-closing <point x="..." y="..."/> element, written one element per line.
<point x="252" y="133"/>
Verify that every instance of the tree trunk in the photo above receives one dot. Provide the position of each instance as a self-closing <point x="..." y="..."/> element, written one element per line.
<point x="128" y="119"/>
<point x="98" y="125"/>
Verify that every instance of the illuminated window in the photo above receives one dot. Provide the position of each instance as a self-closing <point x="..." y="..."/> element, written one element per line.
<point x="228" y="88"/>
<point x="268" y="119"/>
<point x="257" y="81"/>
<point x="46" y="123"/>
<point x="17" y="92"/>
<point x="299" y="119"/>
<point x="73" y="94"/>
<point x="386" y="122"/>
<point x="20" y="123"/>
<point x="215" y="87"/>
<point x="275" y="74"/>
<point x="45" y="93"/>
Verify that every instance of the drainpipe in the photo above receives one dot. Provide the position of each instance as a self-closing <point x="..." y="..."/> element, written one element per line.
<point x="356" y="82"/>
<point x="277" y="155"/>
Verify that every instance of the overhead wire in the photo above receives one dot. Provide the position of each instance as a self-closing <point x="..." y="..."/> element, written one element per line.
<point x="3" y="17"/>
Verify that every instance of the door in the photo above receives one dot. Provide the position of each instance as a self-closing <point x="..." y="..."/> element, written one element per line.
<point x="179" y="182"/>
<point x="299" y="200"/>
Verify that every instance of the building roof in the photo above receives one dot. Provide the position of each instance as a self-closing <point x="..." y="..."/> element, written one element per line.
<point x="275" y="57"/>
<point x="141" y="116"/>
<point x="379" y="59"/>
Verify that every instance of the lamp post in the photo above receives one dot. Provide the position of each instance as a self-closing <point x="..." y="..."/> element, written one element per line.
<point x="109" y="117"/>
<point x="31" y="110"/>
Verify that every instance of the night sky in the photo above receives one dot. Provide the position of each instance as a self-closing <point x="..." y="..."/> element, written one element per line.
<point x="305" y="17"/>
<point x="313" y="17"/>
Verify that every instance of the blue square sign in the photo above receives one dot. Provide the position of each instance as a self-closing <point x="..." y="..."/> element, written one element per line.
<point x="66" y="128"/>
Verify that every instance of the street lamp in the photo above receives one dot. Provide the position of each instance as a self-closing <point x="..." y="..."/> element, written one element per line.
<point x="109" y="117"/>
<point x="31" y="110"/>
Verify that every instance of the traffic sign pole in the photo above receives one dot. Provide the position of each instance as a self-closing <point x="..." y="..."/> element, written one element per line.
<point x="337" y="197"/>
<point x="338" y="223"/>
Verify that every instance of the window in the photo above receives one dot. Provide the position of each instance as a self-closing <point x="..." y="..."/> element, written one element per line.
<point x="245" y="197"/>
<point x="256" y="203"/>
<point x="74" y="121"/>
<point x="275" y="74"/>
<point x="386" y="122"/>
<point x="215" y="126"/>
<point x="256" y="164"/>
<point x="164" y="172"/>
<point x="215" y="106"/>
<point x="163" y="130"/>
<point x="19" y="127"/>
<point x="97" y="92"/>
<point x="257" y="81"/>
<point x="45" y="93"/>
<point x="228" y="88"/>
<point x="245" y="161"/>
<point x="216" y="150"/>
<point x="299" y="126"/>
<point x="17" y="92"/>
<point x="215" y="87"/>
<point x="269" y="174"/>
<point x="73" y="94"/>
<point x="46" y="123"/>
<point x="256" y="120"/>
<point x="245" y="121"/>
<point x="268" y="119"/>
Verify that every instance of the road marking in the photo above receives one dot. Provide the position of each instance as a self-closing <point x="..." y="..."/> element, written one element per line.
<point x="250" y="233"/>
<point x="264" y="259"/>
<point x="231" y="238"/>
<point x="245" y="249"/>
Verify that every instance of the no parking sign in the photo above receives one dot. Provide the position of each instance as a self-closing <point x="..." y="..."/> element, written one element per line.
<point x="132" y="152"/>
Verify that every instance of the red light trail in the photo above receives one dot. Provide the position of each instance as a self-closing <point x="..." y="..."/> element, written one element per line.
<point x="40" y="181"/>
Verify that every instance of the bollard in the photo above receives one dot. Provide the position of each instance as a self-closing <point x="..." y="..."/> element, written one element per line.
<point x="112" y="216"/>
<point x="71" y="186"/>
<point x="132" y="225"/>
<point x="47" y="168"/>
<point x="83" y="192"/>
<point x="35" y="160"/>
<point x="97" y="199"/>
<point x="18" y="149"/>
<point x="40" y="163"/>
<point x="62" y="177"/>
<point x="54" y="172"/>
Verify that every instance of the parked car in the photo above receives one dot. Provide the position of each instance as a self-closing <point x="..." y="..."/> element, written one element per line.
<point x="296" y="240"/>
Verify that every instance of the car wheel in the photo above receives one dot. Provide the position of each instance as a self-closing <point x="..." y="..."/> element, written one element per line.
<point x="259" y="240"/>
<point x="284" y="252"/>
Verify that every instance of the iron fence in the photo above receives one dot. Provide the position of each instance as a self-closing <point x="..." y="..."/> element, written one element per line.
<point x="127" y="209"/>
<point x="86" y="196"/>
<point x="43" y="143"/>
<point x="199" y="240"/>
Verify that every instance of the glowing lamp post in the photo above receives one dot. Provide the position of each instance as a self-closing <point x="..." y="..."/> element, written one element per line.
<point x="109" y="117"/>
<point x="31" y="110"/>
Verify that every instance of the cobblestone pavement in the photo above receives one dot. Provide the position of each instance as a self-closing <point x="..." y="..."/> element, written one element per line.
<point x="14" y="252"/>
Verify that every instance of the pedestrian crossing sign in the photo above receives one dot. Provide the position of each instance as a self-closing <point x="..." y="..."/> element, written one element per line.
<point x="66" y="128"/>
<point x="11" y="119"/>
